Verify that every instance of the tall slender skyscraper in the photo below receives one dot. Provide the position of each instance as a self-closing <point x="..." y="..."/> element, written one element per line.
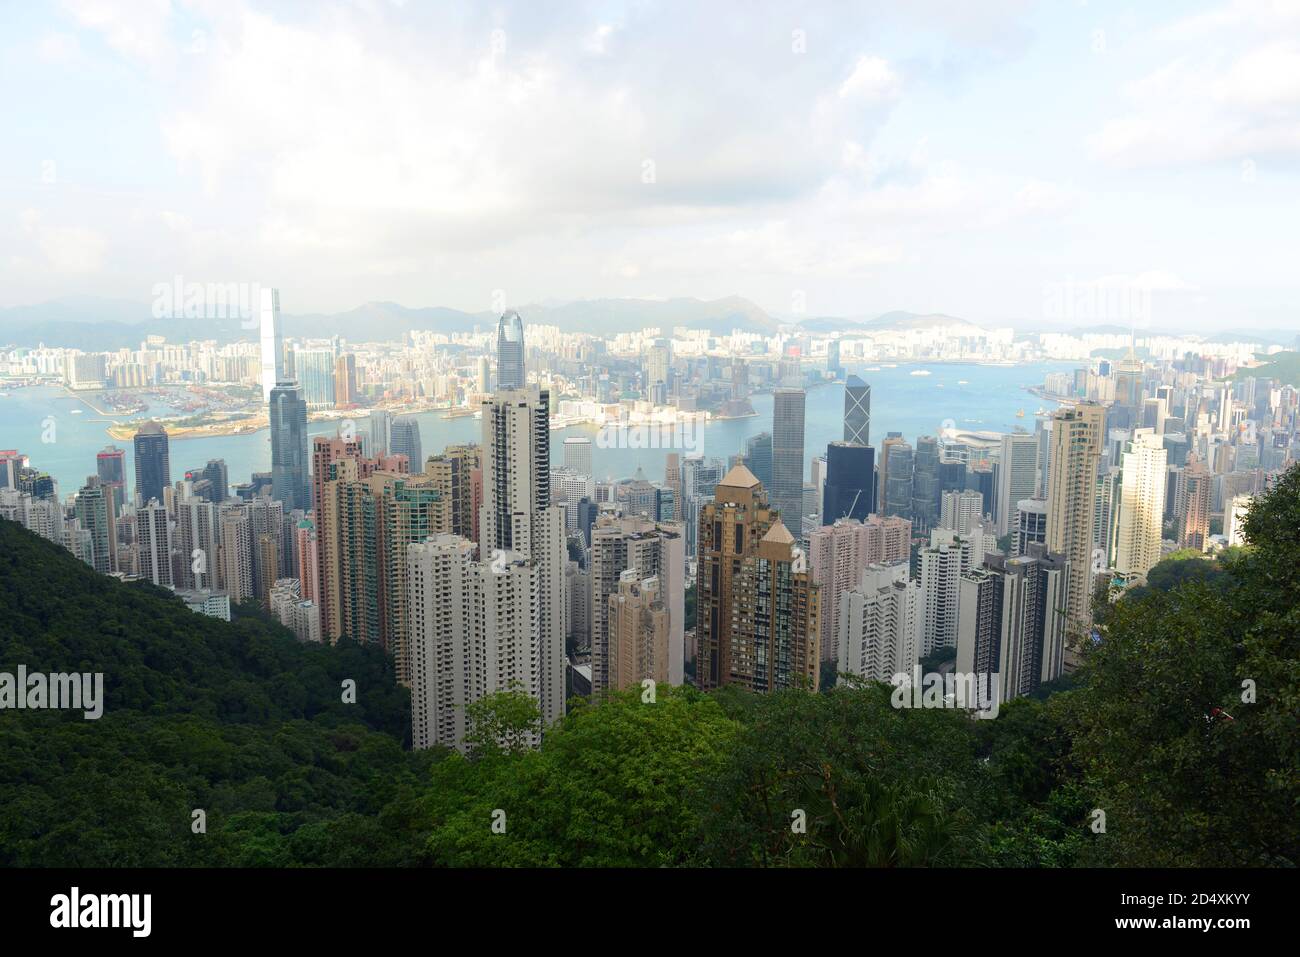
<point x="405" y="440"/>
<point x="272" y="341"/>
<point x="857" y="411"/>
<point x="787" y="454"/>
<point x="758" y="457"/>
<point x="510" y="352"/>
<point x="1135" y="543"/>
<point x="925" y="483"/>
<point x="1077" y="436"/>
<point x="110" y="466"/>
<point x="153" y="468"/>
<point x="1018" y="477"/>
<point x="289" y="469"/>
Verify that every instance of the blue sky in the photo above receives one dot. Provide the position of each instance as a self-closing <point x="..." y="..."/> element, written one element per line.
<point x="842" y="158"/>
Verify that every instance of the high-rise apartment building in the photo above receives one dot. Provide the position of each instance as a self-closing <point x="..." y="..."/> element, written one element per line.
<point x="1135" y="544"/>
<point x="961" y="511"/>
<point x="1031" y="525"/>
<point x="878" y="629"/>
<point x="758" y="610"/>
<point x="638" y="633"/>
<point x="1012" y="620"/>
<point x="1077" y="436"/>
<point x="647" y="549"/>
<point x="1195" y="496"/>
<point x="94" y="508"/>
<point x="153" y="535"/>
<point x="837" y="556"/>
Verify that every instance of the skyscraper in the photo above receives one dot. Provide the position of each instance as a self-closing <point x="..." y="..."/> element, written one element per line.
<point x="511" y="373"/>
<point x="837" y="556"/>
<point x="857" y="411"/>
<point x="878" y="629"/>
<point x="577" y="454"/>
<point x="1195" y="495"/>
<point x="272" y="342"/>
<point x="314" y="372"/>
<point x="1018" y="476"/>
<point x="925" y="483"/>
<point x="646" y="549"/>
<point x="289" y="470"/>
<point x="898" y="478"/>
<point x="152" y="462"/>
<point x="758" y="610"/>
<point x="345" y="380"/>
<point x="961" y="511"/>
<point x="1135" y="544"/>
<point x="517" y="520"/>
<point x="787" y="454"/>
<point x="758" y="457"/>
<point x="850" y="482"/>
<point x="1012" y="622"/>
<point x="95" y="510"/>
<point x="381" y="432"/>
<point x="110" y="467"/>
<point x="405" y="440"/>
<point x="1077" y="436"/>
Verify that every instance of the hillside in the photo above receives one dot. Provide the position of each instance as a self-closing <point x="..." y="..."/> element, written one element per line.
<point x="1283" y="366"/>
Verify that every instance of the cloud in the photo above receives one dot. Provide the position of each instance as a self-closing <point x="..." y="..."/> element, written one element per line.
<point x="1231" y="93"/>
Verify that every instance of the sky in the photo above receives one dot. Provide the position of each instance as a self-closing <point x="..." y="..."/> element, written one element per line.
<point x="846" y="159"/>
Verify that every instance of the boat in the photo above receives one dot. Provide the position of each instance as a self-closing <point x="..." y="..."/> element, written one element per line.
<point x="919" y="372"/>
<point x="962" y="382"/>
<point x="1020" y="413"/>
<point x="873" y="369"/>
<point x="77" y="411"/>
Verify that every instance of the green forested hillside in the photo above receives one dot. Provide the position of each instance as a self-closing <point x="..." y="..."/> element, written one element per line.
<point x="245" y="723"/>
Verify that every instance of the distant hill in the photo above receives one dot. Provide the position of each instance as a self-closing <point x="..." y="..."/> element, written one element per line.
<point x="897" y="320"/>
<point x="718" y="316"/>
<point x="1283" y="366"/>
<point x="99" y="325"/>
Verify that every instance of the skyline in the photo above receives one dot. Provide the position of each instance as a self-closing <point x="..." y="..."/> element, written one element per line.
<point x="843" y="161"/>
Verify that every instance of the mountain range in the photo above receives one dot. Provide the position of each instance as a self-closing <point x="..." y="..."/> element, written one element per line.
<point x="97" y="324"/>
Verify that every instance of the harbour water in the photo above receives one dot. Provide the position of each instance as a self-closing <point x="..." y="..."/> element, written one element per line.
<point x="39" y="422"/>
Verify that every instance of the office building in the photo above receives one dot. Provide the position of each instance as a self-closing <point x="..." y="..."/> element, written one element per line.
<point x="289" y="467"/>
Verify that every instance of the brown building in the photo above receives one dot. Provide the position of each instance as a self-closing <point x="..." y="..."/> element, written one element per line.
<point x="758" y="610"/>
<point x="1192" y="506"/>
<point x="638" y="633"/>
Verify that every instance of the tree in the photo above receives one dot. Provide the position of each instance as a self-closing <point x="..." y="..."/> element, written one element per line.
<point x="505" y="722"/>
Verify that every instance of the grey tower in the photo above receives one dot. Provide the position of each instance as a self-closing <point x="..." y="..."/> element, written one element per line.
<point x="857" y="411"/>
<point x="510" y="352"/>
<point x="289" y="447"/>
<point x="787" y="454"/>
<point x="406" y="441"/>
<point x="152" y="462"/>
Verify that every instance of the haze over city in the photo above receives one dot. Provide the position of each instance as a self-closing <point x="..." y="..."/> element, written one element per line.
<point x="633" y="435"/>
